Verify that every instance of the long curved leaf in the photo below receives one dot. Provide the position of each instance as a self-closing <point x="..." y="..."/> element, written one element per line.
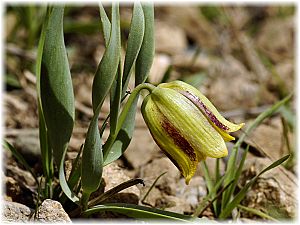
<point x="143" y="64"/>
<point x="141" y="212"/>
<point x="92" y="156"/>
<point x="135" y="40"/>
<point x="107" y="69"/>
<point x="146" y="54"/>
<point x="56" y="90"/>
<point x="56" y="86"/>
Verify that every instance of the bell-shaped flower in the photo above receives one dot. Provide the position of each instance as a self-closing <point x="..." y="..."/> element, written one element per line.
<point x="186" y="125"/>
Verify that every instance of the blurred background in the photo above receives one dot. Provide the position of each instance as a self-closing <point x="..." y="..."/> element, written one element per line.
<point x="241" y="57"/>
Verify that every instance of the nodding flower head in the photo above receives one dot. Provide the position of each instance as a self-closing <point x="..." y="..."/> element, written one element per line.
<point x="186" y="125"/>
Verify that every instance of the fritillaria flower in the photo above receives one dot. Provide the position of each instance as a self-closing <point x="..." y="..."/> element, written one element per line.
<point x="186" y="125"/>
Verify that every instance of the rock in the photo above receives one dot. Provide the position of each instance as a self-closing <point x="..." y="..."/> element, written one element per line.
<point x="272" y="144"/>
<point x="161" y="62"/>
<point x="16" y="212"/>
<point x="193" y="193"/>
<point x="153" y="195"/>
<point x="274" y="191"/>
<point x="113" y="175"/>
<point x="173" y="204"/>
<point x="169" y="39"/>
<point x="52" y="211"/>
<point x="29" y="146"/>
<point x="23" y="176"/>
<point x="18" y="192"/>
<point x="276" y="38"/>
<point x="243" y="92"/>
<point x="286" y="73"/>
<point x="168" y="182"/>
<point x="192" y="22"/>
<point x="141" y="148"/>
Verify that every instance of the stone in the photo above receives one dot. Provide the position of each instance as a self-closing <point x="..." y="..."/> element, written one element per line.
<point x="17" y="191"/>
<point x="274" y="191"/>
<point x="167" y="183"/>
<point x="276" y="38"/>
<point x="141" y="148"/>
<point x="16" y="212"/>
<point x="173" y="204"/>
<point x="169" y="39"/>
<point x="113" y="175"/>
<point x="29" y="146"/>
<point x="161" y="62"/>
<point x="51" y="211"/>
<point x="193" y="193"/>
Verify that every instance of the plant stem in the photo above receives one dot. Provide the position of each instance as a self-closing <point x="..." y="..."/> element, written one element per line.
<point x="84" y="200"/>
<point x="134" y="94"/>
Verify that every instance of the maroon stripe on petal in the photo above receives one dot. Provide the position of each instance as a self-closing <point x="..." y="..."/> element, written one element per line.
<point x="178" y="139"/>
<point x="204" y="109"/>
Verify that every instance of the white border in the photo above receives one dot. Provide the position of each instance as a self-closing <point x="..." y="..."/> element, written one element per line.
<point x="176" y="2"/>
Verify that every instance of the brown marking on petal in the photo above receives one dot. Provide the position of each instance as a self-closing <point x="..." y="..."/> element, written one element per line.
<point x="166" y="153"/>
<point x="204" y="109"/>
<point x="178" y="139"/>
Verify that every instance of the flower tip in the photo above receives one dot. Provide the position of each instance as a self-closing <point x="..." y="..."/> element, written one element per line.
<point x="187" y="180"/>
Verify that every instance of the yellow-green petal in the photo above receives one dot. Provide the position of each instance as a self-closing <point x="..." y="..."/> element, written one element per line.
<point x="209" y="109"/>
<point x="186" y="163"/>
<point x="190" y="122"/>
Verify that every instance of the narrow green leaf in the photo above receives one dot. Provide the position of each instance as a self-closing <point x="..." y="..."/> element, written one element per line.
<point x="257" y="212"/>
<point x="115" y="190"/>
<point x="46" y="150"/>
<point x="118" y="142"/>
<point x="124" y="136"/>
<point x="56" y="91"/>
<point x="141" y="212"/>
<point x="135" y="39"/>
<point x="240" y="196"/>
<point x="56" y="86"/>
<point x="231" y="167"/>
<point x="107" y="69"/>
<point x="115" y="100"/>
<point x="146" y="54"/>
<point x="208" y="180"/>
<point x="92" y="158"/>
<point x="209" y="183"/>
<point x="106" y="25"/>
<point x="113" y="149"/>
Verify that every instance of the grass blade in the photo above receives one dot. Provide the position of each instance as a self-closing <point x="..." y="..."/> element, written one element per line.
<point x="141" y="212"/>
<point x="231" y="167"/>
<point x="240" y="196"/>
<point x="257" y="212"/>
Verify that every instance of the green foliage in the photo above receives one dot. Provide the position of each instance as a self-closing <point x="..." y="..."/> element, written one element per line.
<point x="231" y="197"/>
<point x="142" y="212"/>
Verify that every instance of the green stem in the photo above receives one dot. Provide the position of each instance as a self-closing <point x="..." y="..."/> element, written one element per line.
<point x="134" y="94"/>
<point x="84" y="200"/>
